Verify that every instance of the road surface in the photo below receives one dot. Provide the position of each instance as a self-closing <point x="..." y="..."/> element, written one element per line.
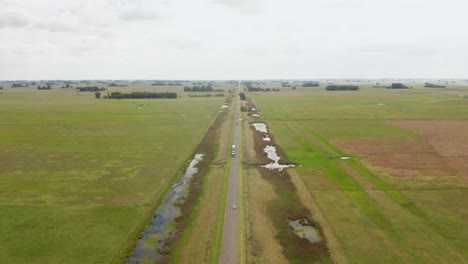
<point x="228" y="253"/>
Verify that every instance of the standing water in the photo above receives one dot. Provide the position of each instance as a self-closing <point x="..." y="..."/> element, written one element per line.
<point x="149" y="246"/>
<point x="271" y="154"/>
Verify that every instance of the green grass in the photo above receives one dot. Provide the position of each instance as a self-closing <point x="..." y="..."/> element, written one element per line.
<point x="376" y="218"/>
<point x="77" y="174"/>
<point x="218" y="232"/>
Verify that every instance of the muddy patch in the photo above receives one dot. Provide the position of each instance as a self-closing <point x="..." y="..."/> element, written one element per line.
<point x="151" y="244"/>
<point x="304" y="230"/>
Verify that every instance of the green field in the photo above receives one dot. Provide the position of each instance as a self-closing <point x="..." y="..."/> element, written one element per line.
<point x="78" y="175"/>
<point x="376" y="217"/>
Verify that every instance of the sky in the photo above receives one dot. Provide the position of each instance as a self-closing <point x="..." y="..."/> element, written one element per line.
<point x="232" y="39"/>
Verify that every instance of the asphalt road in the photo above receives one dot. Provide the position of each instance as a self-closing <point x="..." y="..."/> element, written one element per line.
<point x="228" y="253"/>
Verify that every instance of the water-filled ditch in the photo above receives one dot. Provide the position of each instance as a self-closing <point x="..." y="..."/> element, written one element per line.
<point x="162" y="228"/>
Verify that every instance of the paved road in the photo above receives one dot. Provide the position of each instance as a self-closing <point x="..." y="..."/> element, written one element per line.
<point x="229" y="241"/>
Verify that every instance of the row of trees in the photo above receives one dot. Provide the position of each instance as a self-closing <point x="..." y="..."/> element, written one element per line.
<point x="398" y="86"/>
<point x="430" y="85"/>
<point x="137" y="95"/>
<point x="48" y="87"/>
<point x="206" y="95"/>
<point x="342" y="88"/>
<point x="201" y="88"/>
<point x="90" y="89"/>
<point x="258" y="89"/>
<point x="310" y="84"/>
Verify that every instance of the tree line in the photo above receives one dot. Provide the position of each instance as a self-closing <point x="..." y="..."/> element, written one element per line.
<point x="310" y="84"/>
<point x="90" y="89"/>
<point x="397" y="86"/>
<point x="48" y="87"/>
<point x="431" y="85"/>
<point x="342" y="88"/>
<point x="139" y="95"/>
<point x="206" y="95"/>
<point x="258" y="89"/>
<point x="201" y="88"/>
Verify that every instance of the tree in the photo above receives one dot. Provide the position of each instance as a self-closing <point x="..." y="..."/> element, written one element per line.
<point x="242" y="96"/>
<point x="97" y="94"/>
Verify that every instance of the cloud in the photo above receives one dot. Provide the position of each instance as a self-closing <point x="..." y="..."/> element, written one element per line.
<point x="16" y="20"/>
<point x="54" y="26"/>
<point x="245" y="6"/>
<point x="138" y="15"/>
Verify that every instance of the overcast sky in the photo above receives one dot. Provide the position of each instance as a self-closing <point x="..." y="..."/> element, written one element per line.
<point x="232" y="39"/>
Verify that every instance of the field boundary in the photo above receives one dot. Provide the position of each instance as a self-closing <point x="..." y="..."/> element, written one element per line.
<point x="218" y="233"/>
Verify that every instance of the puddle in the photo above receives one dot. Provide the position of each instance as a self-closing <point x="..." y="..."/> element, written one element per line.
<point x="266" y="138"/>
<point x="255" y="115"/>
<point x="163" y="226"/>
<point x="260" y="127"/>
<point x="303" y="229"/>
<point x="344" y="158"/>
<point x="271" y="154"/>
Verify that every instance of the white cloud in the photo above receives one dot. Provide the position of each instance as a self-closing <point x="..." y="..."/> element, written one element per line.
<point x="12" y="19"/>
<point x="138" y="15"/>
<point x="232" y="39"/>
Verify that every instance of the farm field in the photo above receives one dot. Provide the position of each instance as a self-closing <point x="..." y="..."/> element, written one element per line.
<point x="401" y="197"/>
<point x="79" y="176"/>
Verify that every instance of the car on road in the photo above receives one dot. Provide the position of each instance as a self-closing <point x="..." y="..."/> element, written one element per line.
<point x="234" y="206"/>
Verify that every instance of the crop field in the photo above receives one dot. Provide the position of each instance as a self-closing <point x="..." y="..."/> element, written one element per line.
<point x="79" y="176"/>
<point x="385" y="169"/>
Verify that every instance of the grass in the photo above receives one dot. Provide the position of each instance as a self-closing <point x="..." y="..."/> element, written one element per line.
<point x="78" y="174"/>
<point x="409" y="220"/>
<point x="218" y="234"/>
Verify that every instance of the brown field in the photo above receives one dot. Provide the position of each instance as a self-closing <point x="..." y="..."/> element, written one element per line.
<point x="440" y="152"/>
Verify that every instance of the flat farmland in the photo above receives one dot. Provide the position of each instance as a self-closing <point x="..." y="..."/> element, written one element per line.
<point x="79" y="176"/>
<point x="400" y="193"/>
